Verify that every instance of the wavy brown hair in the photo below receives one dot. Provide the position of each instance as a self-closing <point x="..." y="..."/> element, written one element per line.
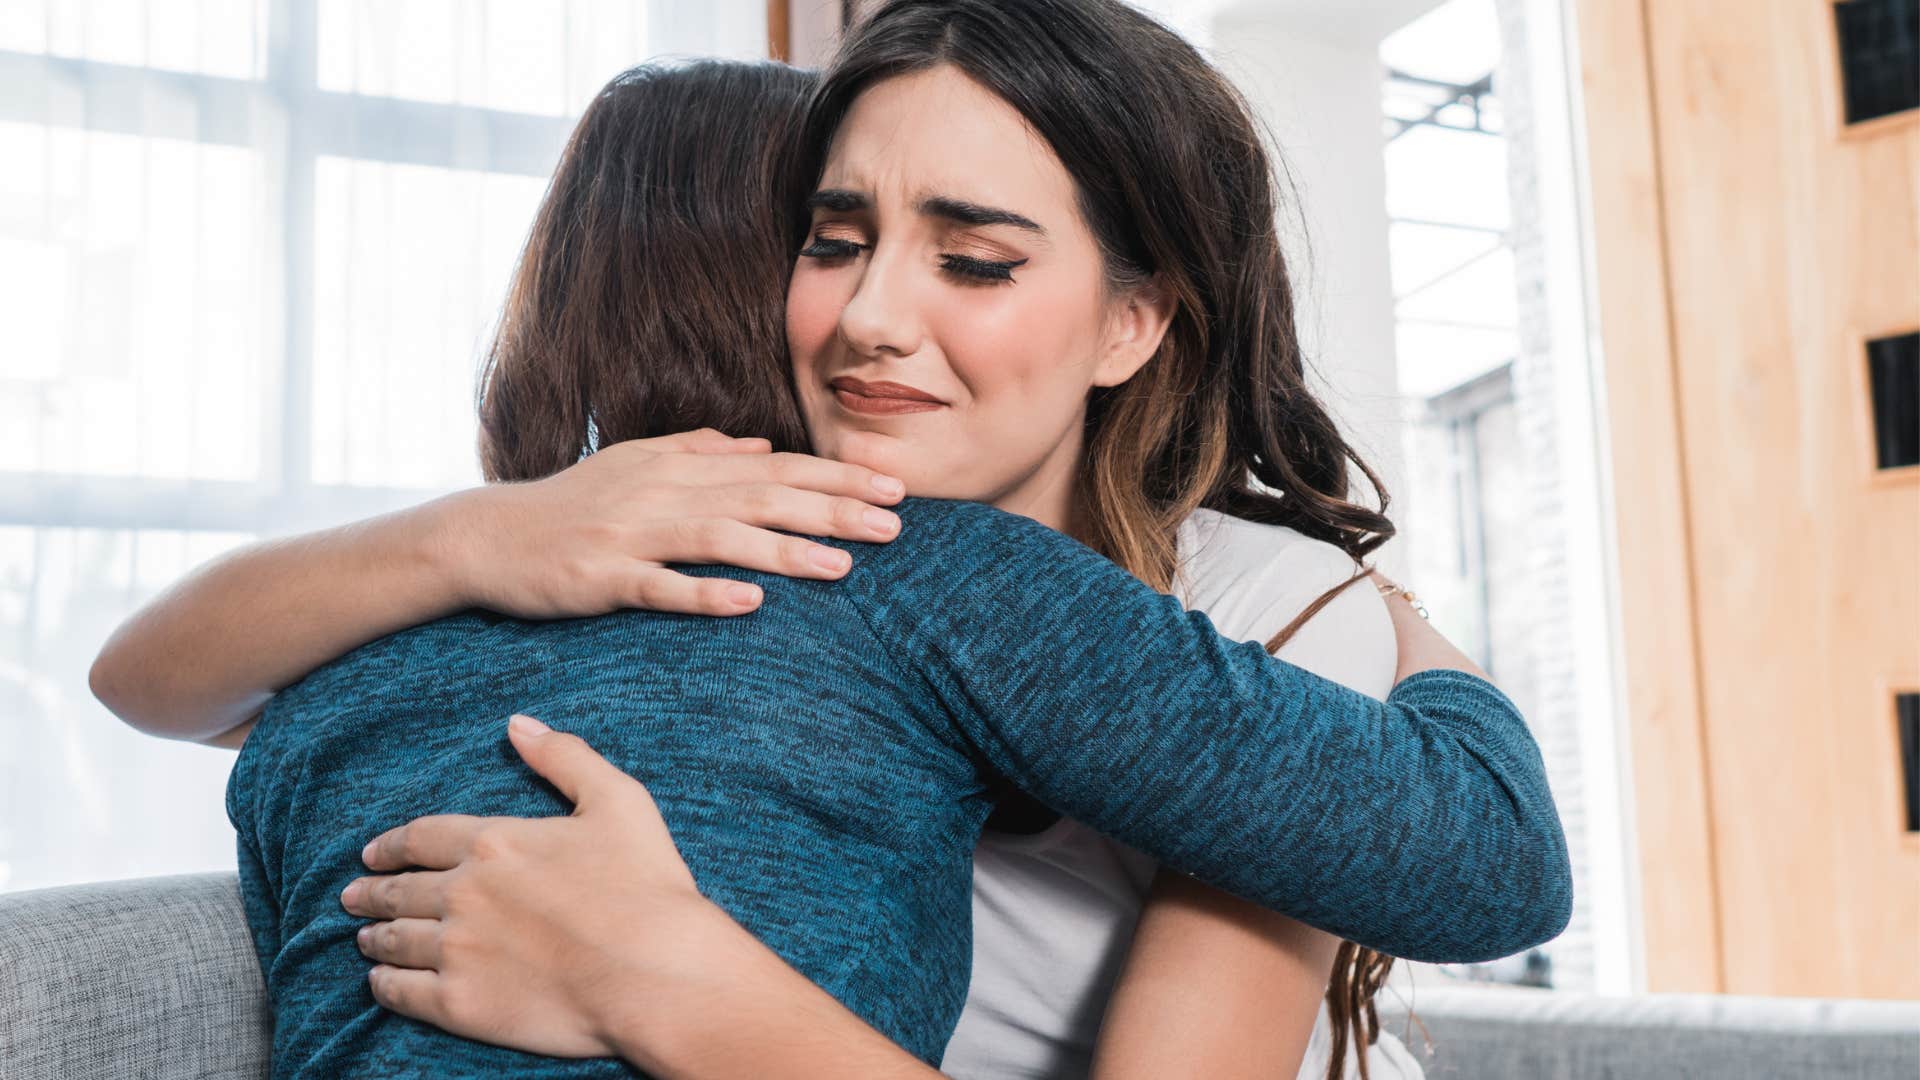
<point x="1176" y="185"/>
<point x="648" y="297"/>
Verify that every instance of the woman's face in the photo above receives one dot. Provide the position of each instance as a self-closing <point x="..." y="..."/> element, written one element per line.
<point x="949" y="312"/>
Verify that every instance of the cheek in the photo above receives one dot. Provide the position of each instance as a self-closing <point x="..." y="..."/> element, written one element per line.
<point x="814" y="303"/>
<point x="1031" y="357"/>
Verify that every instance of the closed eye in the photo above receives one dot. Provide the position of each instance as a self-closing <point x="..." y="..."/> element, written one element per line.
<point x="832" y="249"/>
<point x="988" y="271"/>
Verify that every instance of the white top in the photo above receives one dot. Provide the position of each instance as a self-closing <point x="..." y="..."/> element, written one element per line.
<point x="1054" y="912"/>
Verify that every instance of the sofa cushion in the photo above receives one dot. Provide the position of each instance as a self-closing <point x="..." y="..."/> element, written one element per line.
<point x="152" y="978"/>
<point x="1497" y="1033"/>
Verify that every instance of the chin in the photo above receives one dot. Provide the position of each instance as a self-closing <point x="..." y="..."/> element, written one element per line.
<point x="927" y="475"/>
<point x="877" y="451"/>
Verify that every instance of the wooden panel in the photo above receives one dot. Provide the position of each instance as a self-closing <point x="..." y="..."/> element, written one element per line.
<point x="1679" y="898"/>
<point x="1788" y="245"/>
<point x="779" y="30"/>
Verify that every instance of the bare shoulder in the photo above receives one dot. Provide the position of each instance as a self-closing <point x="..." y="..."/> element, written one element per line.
<point x="1253" y="579"/>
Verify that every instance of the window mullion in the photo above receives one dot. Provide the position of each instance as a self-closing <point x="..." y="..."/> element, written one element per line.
<point x="292" y="73"/>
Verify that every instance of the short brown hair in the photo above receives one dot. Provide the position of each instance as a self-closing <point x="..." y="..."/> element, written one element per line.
<point x="650" y="296"/>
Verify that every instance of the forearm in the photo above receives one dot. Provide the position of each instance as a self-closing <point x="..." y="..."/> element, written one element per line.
<point x="1422" y="827"/>
<point x="735" y="1008"/>
<point x="1213" y="987"/>
<point x="208" y="653"/>
<point x="1421" y="647"/>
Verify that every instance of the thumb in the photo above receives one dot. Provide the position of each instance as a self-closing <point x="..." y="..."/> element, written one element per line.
<point x="565" y="761"/>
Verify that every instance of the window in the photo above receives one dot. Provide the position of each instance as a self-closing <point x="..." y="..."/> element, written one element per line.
<point x="253" y="249"/>
<point x="1503" y="491"/>
<point x="1879" y="44"/>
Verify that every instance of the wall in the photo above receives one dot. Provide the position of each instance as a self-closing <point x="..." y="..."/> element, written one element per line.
<point x="1312" y="73"/>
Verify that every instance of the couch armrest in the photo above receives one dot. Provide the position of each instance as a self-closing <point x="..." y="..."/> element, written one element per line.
<point x="154" y="977"/>
<point x="1500" y="1033"/>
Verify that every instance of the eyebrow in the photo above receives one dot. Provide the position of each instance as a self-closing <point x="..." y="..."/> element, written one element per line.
<point x="839" y="200"/>
<point x="844" y="201"/>
<point x="968" y="213"/>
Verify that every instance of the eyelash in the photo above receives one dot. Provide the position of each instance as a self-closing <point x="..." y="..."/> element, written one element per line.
<point x="832" y="250"/>
<point x="981" y="270"/>
<point x="988" y="271"/>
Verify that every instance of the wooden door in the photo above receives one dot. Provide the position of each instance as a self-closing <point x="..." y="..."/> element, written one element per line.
<point x="1750" y="243"/>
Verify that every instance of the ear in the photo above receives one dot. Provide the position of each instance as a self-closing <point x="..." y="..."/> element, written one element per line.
<point x="1137" y="324"/>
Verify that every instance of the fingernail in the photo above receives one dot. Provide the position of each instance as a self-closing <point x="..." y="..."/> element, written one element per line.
<point x="880" y="521"/>
<point x="743" y="595"/>
<point x="887" y="485"/>
<point x="351" y="894"/>
<point x="830" y="559"/>
<point x="527" y="725"/>
<point x="366" y="853"/>
<point x="362" y="935"/>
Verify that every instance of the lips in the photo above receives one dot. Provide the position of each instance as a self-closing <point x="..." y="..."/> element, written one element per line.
<point x="882" y="398"/>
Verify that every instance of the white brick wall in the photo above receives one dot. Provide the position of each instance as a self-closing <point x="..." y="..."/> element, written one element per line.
<point x="1542" y="572"/>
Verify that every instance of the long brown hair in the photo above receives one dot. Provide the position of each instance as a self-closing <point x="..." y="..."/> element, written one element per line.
<point x="1176" y="185"/>
<point x="647" y="299"/>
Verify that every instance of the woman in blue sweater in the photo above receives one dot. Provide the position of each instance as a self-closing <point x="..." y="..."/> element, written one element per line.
<point x="1137" y="316"/>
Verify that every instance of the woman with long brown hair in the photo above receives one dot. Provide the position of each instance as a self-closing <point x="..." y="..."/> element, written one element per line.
<point x="1216" y="428"/>
<point x="1217" y="396"/>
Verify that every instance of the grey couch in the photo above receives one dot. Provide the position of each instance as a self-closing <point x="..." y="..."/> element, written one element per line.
<point x="156" y="978"/>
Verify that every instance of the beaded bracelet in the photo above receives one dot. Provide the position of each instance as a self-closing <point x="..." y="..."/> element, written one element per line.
<point x="1419" y="608"/>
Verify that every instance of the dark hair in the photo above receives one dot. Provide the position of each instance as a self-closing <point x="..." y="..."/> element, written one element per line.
<point x="1175" y="184"/>
<point x="648" y="299"/>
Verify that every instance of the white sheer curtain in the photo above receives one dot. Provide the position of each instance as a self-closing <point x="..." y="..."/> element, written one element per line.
<point x="249" y="250"/>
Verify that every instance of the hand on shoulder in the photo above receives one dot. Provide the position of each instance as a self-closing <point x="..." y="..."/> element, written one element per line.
<point x="599" y="536"/>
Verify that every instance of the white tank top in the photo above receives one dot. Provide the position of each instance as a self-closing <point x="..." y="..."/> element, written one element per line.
<point x="1054" y="912"/>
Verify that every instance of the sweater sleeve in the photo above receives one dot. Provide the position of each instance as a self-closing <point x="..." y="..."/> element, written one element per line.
<point x="1421" y="826"/>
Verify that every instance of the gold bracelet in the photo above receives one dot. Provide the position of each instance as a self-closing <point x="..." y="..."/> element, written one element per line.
<point x="1391" y="589"/>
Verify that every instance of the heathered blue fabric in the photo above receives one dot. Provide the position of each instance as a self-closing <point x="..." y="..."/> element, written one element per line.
<point x="825" y="765"/>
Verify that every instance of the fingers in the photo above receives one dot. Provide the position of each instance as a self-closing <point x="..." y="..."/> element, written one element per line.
<point x="408" y="943"/>
<point x="655" y="589"/>
<point x="703" y="441"/>
<point x="567" y="762"/>
<point x="725" y="541"/>
<point x="397" y="896"/>
<point x="409" y="992"/>
<point x="778" y="506"/>
<point x="440" y="842"/>
<point x="800" y="471"/>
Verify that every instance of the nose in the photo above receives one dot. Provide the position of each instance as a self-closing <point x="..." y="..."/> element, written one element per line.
<point x="882" y="318"/>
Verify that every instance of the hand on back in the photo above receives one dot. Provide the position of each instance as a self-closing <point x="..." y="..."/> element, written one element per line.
<point x="598" y="536"/>
<point x="555" y="935"/>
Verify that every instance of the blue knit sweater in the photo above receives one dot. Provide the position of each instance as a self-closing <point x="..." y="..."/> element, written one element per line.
<point x="825" y="765"/>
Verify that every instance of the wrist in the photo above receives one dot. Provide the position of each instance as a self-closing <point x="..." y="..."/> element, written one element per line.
<point x="674" y="994"/>
<point x="445" y="545"/>
<point x="710" y="999"/>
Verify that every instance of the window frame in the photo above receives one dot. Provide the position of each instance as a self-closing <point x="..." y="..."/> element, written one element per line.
<point x="287" y="118"/>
